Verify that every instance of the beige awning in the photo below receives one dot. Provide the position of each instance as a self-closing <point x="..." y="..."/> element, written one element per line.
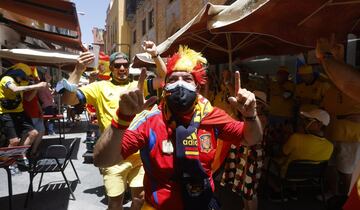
<point x="250" y="28"/>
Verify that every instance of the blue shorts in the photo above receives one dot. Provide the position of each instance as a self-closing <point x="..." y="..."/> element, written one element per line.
<point x="38" y="124"/>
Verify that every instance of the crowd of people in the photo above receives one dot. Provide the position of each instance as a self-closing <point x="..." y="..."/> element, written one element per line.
<point x="25" y="95"/>
<point x="165" y="136"/>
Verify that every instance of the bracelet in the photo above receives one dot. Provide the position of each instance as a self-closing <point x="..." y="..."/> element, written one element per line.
<point x="252" y="118"/>
<point x="121" y="121"/>
<point x="155" y="56"/>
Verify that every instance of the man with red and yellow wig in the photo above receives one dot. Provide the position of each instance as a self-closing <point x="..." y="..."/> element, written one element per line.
<point x="177" y="139"/>
<point x="16" y="125"/>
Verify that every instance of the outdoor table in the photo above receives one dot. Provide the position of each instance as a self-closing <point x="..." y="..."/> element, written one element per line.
<point x="6" y="166"/>
<point x="8" y="156"/>
<point x="59" y="118"/>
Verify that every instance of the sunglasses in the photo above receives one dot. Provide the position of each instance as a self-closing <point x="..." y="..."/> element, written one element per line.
<point x="118" y="65"/>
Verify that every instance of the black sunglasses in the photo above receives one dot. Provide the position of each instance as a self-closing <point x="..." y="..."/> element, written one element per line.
<point x="118" y="65"/>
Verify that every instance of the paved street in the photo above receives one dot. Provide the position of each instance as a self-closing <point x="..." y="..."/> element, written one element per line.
<point x="90" y="192"/>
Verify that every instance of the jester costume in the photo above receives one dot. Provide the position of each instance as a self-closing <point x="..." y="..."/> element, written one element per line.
<point x="178" y="151"/>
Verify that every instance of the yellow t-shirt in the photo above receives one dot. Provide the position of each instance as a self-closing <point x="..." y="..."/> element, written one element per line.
<point x="221" y="102"/>
<point x="310" y="96"/>
<point x="279" y="105"/>
<point x="339" y="105"/>
<point x="6" y="93"/>
<point x="104" y="96"/>
<point x="306" y="147"/>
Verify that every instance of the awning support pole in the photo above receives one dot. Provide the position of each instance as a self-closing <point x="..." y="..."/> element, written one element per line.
<point x="228" y="39"/>
<point x="316" y="11"/>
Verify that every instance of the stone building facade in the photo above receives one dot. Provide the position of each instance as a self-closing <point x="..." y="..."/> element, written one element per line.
<point x="117" y="33"/>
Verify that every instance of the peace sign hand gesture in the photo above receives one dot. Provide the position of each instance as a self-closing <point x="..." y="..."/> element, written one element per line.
<point x="244" y="101"/>
<point x="132" y="101"/>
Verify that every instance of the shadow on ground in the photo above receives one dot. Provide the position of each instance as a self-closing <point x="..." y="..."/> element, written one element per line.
<point x="44" y="198"/>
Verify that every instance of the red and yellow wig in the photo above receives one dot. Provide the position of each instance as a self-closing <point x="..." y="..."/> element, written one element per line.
<point x="190" y="61"/>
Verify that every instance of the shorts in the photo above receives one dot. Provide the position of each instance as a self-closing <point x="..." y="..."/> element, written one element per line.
<point x="15" y="124"/>
<point x="117" y="177"/>
<point x="38" y="124"/>
<point x="345" y="156"/>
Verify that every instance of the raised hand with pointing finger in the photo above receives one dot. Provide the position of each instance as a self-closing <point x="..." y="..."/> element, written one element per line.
<point x="243" y="100"/>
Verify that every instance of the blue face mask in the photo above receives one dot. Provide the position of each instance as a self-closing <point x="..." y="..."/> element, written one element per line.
<point x="180" y="96"/>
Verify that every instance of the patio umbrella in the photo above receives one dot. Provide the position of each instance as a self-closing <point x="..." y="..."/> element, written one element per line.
<point x="41" y="57"/>
<point x="220" y="34"/>
<point x="221" y="47"/>
<point x="61" y="14"/>
<point x="301" y="22"/>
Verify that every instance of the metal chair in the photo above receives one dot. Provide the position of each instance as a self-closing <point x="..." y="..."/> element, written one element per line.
<point x="303" y="173"/>
<point x="56" y="159"/>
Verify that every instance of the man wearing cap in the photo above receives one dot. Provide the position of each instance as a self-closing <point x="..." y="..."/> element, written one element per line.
<point x="104" y="96"/>
<point x="177" y="139"/>
<point x="310" y="92"/>
<point x="311" y="145"/>
<point x="15" y="124"/>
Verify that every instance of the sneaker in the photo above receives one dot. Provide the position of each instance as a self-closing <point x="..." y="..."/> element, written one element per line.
<point x="276" y="197"/>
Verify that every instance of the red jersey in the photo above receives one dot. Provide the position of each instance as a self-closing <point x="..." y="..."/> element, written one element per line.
<point x="32" y="107"/>
<point x="150" y="134"/>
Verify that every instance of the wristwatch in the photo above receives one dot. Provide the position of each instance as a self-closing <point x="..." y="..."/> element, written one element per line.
<point x="251" y="118"/>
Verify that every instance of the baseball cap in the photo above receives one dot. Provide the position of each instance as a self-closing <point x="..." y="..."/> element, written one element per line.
<point x="118" y="55"/>
<point x="318" y="114"/>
